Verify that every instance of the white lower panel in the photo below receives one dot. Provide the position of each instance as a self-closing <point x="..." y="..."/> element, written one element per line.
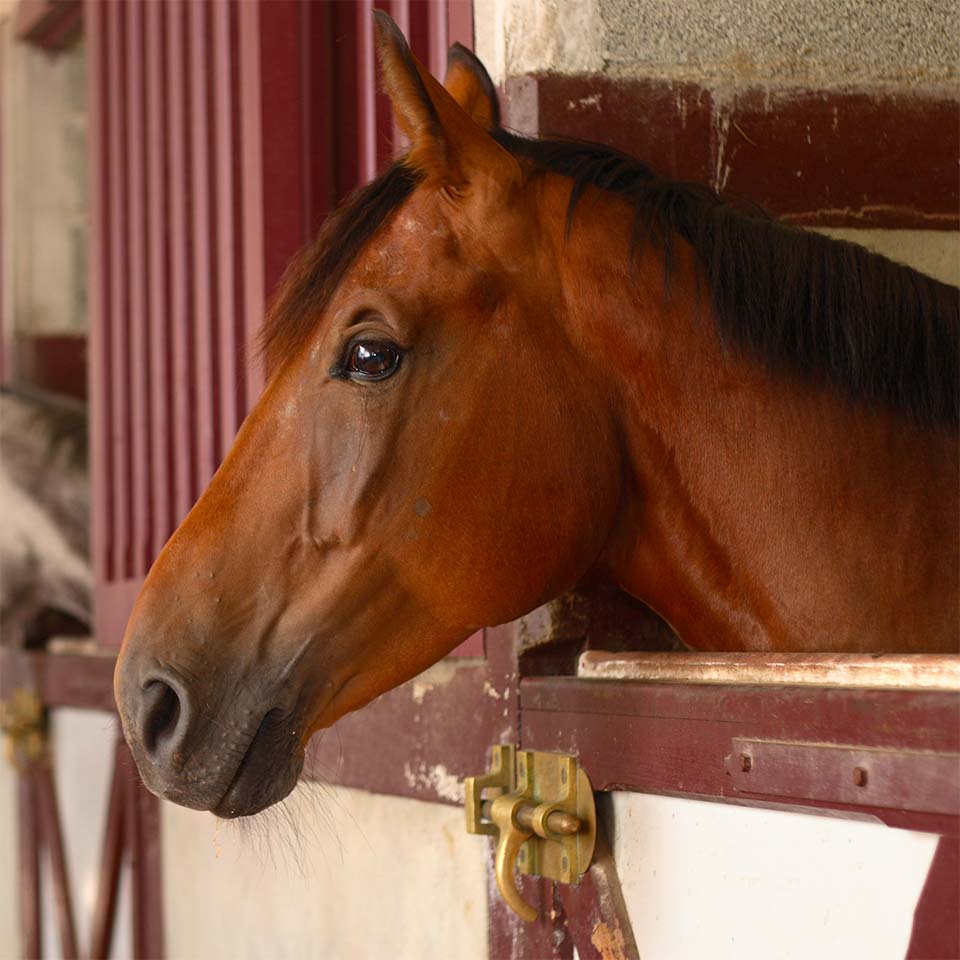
<point x="334" y="874"/>
<point x="713" y="880"/>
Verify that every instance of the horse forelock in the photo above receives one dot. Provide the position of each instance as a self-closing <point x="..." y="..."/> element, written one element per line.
<point x="824" y="309"/>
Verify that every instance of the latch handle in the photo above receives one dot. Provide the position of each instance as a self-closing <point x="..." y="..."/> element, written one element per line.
<point x="509" y="841"/>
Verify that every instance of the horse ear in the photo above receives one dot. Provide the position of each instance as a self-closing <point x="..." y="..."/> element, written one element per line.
<point x="446" y="144"/>
<point x="468" y="82"/>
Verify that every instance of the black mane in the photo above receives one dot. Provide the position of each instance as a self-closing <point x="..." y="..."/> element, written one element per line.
<point x="824" y="309"/>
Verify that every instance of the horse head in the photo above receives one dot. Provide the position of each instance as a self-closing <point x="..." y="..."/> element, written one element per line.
<point x="431" y="455"/>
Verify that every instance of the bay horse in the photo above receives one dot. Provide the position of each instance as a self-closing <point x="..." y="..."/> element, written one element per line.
<point x="505" y="364"/>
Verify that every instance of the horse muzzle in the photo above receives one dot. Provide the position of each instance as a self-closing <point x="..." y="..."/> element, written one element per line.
<point x="225" y="747"/>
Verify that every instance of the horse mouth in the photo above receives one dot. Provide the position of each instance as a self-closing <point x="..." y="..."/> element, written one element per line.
<point x="268" y="771"/>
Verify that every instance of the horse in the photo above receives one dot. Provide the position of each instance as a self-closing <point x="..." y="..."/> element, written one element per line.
<point x="506" y="364"/>
<point x="45" y="577"/>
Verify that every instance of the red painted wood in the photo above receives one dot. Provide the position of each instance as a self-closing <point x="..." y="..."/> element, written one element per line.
<point x="251" y="165"/>
<point x="97" y="290"/>
<point x="423" y="738"/>
<point x="137" y="320"/>
<point x="595" y="912"/>
<point x="104" y="913"/>
<point x="178" y="251"/>
<point x="282" y="133"/>
<point x="510" y="938"/>
<point x="225" y="334"/>
<point x="676" y="739"/>
<point x="799" y="153"/>
<point x="437" y="31"/>
<point x="49" y="819"/>
<point x="161" y="388"/>
<point x="202" y="305"/>
<point x="366" y="67"/>
<point x="118" y="502"/>
<point x="836" y="773"/>
<point x="142" y="836"/>
<point x="31" y="931"/>
<point x="936" y="922"/>
<point x="53" y="362"/>
<point x="460" y="23"/>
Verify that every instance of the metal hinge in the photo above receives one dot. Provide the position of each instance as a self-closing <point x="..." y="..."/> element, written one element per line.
<point x="540" y="808"/>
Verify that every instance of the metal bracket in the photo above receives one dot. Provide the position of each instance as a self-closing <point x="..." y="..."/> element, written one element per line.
<point x="22" y="723"/>
<point x="540" y="807"/>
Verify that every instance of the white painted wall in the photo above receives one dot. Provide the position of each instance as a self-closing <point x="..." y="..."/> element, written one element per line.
<point x="720" y="881"/>
<point x="333" y="874"/>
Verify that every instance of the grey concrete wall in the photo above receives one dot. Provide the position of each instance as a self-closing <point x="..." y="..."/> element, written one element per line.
<point x="810" y="43"/>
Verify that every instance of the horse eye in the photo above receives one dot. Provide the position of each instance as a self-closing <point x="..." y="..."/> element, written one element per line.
<point x="370" y="360"/>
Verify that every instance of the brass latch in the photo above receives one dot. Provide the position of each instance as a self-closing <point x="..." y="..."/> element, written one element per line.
<point x="540" y="808"/>
<point x="22" y="724"/>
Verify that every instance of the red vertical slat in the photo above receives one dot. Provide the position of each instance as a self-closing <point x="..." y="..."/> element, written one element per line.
<point x="460" y="22"/>
<point x="95" y="15"/>
<point x="252" y="180"/>
<point x="239" y="228"/>
<point x="161" y="487"/>
<point x="179" y="306"/>
<point x="319" y="108"/>
<point x="366" y="75"/>
<point x="120" y="505"/>
<point x="224" y="186"/>
<point x="137" y="319"/>
<point x="437" y="16"/>
<point x="201" y="320"/>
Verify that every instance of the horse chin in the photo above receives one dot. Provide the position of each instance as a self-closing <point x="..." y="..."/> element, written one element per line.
<point x="265" y="776"/>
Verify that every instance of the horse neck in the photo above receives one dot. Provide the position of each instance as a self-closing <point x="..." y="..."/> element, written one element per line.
<point x="760" y="511"/>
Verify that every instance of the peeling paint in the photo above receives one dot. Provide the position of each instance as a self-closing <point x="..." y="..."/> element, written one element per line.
<point x="608" y="941"/>
<point x="439" y="675"/>
<point x="438" y="778"/>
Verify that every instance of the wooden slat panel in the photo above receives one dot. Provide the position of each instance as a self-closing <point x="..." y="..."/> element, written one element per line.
<point x="161" y="394"/>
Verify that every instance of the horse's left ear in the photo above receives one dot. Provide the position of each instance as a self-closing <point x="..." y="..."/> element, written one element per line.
<point x="468" y="82"/>
<point x="446" y="143"/>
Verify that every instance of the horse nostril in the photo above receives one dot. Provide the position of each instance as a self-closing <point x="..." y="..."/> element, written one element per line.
<point x="161" y="715"/>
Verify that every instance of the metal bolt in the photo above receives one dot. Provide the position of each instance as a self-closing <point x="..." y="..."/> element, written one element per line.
<point x="859" y="776"/>
<point x="746" y="762"/>
<point x="563" y="775"/>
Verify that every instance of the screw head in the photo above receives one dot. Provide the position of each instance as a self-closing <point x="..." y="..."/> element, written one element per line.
<point x="563" y="775"/>
<point x="746" y="762"/>
<point x="859" y="777"/>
